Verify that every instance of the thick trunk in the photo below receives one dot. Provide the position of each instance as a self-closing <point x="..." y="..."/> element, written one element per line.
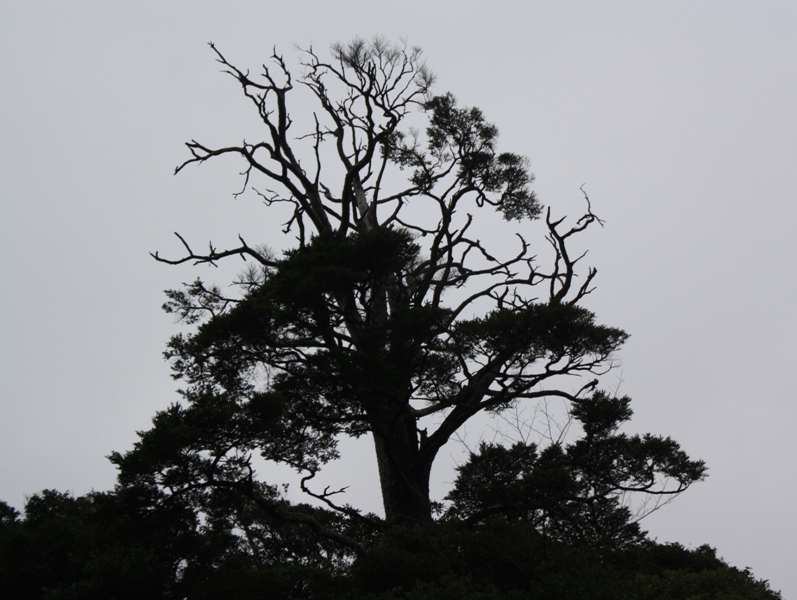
<point x="404" y="478"/>
<point x="403" y="474"/>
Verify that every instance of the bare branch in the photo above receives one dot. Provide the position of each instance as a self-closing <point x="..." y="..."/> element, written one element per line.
<point x="213" y="255"/>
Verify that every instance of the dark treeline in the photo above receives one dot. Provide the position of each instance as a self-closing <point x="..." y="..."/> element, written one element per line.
<point x="130" y="545"/>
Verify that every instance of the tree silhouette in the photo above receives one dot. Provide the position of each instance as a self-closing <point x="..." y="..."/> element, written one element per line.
<point x="389" y="316"/>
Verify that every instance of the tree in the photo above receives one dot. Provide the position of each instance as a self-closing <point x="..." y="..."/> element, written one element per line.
<point x="102" y="545"/>
<point x="573" y="492"/>
<point x="388" y="317"/>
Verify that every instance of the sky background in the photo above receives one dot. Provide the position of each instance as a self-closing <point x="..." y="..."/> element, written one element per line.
<point x="680" y="117"/>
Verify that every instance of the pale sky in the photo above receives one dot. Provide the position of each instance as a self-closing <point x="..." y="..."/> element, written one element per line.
<point x="680" y="117"/>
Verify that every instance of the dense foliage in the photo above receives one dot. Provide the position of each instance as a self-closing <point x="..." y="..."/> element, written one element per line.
<point x="129" y="546"/>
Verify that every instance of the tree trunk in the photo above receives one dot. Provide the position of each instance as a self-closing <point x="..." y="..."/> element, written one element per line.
<point x="403" y="476"/>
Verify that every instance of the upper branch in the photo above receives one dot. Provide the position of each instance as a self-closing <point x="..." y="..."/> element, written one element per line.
<point x="213" y="255"/>
<point x="564" y="266"/>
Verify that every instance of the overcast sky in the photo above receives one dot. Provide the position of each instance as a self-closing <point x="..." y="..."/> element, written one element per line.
<point x="678" y="116"/>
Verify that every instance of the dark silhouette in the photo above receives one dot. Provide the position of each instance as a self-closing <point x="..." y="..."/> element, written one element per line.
<point x="389" y="317"/>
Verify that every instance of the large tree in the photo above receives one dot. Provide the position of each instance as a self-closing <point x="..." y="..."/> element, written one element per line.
<point x="388" y="316"/>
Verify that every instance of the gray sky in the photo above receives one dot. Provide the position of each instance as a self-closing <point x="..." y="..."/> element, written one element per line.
<point x="679" y="116"/>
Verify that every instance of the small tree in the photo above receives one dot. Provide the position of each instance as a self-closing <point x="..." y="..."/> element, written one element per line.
<point x="388" y="317"/>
